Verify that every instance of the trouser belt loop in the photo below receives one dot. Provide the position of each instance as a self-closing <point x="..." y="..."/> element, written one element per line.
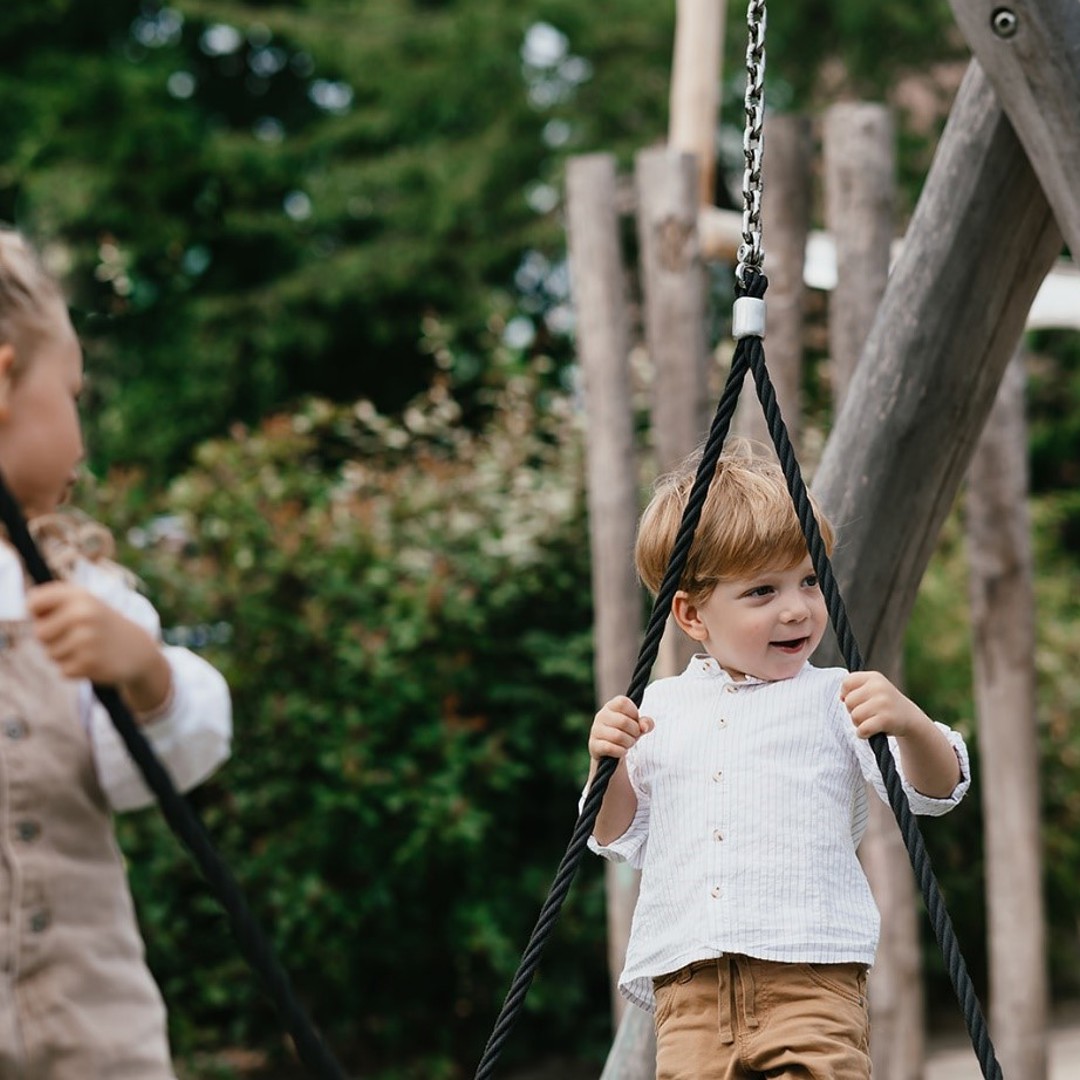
<point x="725" y="998"/>
<point x="746" y="979"/>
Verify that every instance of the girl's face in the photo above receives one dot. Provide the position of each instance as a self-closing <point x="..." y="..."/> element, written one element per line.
<point x="41" y="441"/>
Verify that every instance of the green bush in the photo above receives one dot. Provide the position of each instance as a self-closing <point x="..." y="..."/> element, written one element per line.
<point x="410" y="659"/>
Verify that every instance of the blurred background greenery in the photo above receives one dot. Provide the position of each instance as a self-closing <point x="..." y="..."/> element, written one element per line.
<point x="316" y="254"/>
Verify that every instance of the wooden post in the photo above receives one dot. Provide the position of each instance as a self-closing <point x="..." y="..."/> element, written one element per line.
<point x="695" y="86"/>
<point x="786" y="213"/>
<point x="633" y="1053"/>
<point x="1029" y="51"/>
<point x="673" y="281"/>
<point x="602" y="338"/>
<point x="860" y="183"/>
<point x="981" y="241"/>
<point x="1003" y="624"/>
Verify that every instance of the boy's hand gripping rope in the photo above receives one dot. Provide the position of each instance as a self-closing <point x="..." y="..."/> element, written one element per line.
<point x="186" y="824"/>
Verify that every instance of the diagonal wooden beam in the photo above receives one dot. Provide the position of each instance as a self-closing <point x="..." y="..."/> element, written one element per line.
<point x="1030" y="51"/>
<point x="980" y="243"/>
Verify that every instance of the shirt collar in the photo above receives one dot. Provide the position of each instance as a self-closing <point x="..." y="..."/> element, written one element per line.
<point x="704" y="666"/>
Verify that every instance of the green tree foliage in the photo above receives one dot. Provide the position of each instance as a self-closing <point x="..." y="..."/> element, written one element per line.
<point x="255" y="201"/>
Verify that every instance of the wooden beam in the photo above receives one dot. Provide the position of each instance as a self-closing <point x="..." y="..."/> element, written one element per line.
<point x="1056" y="305"/>
<point x="1030" y="51"/>
<point x="980" y="243"/>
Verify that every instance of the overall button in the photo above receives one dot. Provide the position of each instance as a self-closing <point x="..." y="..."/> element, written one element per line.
<point x="27" y="831"/>
<point x="15" y="729"/>
<point x="39" y="921"/>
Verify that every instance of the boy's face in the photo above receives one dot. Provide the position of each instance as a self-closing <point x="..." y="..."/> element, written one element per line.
<point x="765" y="626"/>
<point x="41" y="442"/>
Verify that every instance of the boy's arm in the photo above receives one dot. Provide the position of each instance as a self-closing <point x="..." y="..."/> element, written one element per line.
<point x="619" y="806"/>
<point x="617" y="727"/>
<point x="930" y="763"/>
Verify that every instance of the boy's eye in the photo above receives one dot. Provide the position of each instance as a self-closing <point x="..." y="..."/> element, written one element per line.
<point x="759" y="590"/>
<point x="810" y="581"/>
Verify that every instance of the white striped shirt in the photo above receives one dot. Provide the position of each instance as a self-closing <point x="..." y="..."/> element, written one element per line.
<point x="751" y="801"/>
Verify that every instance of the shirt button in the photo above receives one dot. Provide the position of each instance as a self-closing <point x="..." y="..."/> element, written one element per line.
<point x="730" y="688"/>
<point x="718" y="776"/>
<point x="714" y="892"/>
<point x="14" y="728"/>
<point x="27" y="831"/>
<point x="721" y="722"/>
<point x="717" y="834"/>
<point x="39" y="921"/>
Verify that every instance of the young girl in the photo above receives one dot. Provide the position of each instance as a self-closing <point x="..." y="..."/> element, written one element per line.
<point x="77" y="1001"/>
<point x="740" y="793"/>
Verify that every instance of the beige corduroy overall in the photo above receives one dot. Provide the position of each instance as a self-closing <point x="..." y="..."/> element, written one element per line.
<point x="77" y="1001"/>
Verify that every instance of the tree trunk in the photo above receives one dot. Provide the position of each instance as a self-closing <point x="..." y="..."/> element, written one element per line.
<point x="1003" y="622"/>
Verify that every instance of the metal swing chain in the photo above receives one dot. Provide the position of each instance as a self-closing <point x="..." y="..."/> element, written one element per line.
<point x="750" y="253"/>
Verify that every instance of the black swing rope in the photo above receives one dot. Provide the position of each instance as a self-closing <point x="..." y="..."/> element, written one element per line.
<point x="187" y="825"/>
<point x="749" y="355"/>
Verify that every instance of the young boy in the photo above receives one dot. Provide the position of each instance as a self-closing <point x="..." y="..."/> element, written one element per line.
<point x="740" y="795"/>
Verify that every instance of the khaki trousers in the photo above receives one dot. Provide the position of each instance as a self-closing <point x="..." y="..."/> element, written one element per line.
<point x="740" y="1018"/>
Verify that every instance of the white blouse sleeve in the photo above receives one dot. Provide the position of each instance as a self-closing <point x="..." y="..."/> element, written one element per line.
<point x="191" y="737"/>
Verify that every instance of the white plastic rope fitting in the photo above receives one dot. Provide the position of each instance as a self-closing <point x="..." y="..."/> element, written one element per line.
<point x="748" y="317"/>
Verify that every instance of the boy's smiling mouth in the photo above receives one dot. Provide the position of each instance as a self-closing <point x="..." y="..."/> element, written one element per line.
<point x="794" y="645"/>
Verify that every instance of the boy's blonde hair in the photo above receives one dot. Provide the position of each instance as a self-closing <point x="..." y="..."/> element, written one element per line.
<point x="28" y="294"/>
<point x="748" y="522"/>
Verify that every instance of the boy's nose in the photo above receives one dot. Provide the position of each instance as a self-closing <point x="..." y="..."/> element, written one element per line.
<point x="796" y="611"/>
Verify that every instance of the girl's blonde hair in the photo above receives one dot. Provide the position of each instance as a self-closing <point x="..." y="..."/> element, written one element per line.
<point x="28" y="298"/>
<point x="748" y="523"/>
<point x="28" y="294"/>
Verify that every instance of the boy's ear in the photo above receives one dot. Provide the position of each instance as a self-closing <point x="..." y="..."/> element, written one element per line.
<point x="7" y="377"/>
<point x="688" y="617"/>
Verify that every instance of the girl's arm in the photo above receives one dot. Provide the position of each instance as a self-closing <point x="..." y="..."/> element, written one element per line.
<point x="98" y="628"/>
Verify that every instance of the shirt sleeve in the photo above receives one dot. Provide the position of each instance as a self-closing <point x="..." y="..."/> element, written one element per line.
<point x="630" y="847"/>
<point x="920" y="804"/>
<point x="192" y="733"/>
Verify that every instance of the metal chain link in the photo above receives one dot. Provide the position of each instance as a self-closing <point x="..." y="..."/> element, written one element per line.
<point x="750" y="251"/>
